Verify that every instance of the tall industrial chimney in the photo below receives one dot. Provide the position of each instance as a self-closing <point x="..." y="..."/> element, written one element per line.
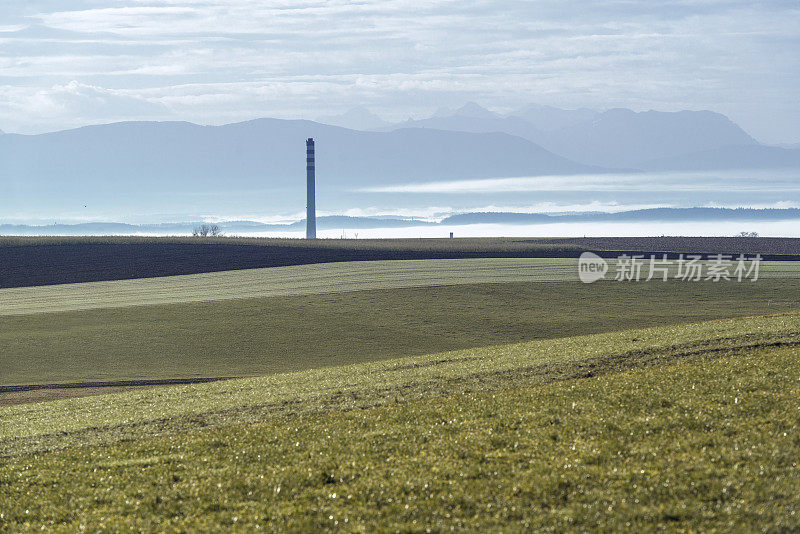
<point x="311" y="205"/>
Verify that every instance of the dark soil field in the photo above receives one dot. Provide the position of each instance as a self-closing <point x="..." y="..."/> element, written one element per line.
<point x="772" y="246"/>
<point x="47" y="260"/>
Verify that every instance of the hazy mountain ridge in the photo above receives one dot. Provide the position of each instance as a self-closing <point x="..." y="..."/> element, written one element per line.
<point x="624" y="138"/>
<point x="729" y="157"/>
<point x="650" y="215"/>
<point x="337" y="222"/>
<point x="617" y="138"/>
<point x="258" y="166"/>
<point x="461" y="123"/>
<point x="357" y="118"/>
<point x="163" y="165"/>
<point x="266" y="152"/>
<point x="549" y="118"/>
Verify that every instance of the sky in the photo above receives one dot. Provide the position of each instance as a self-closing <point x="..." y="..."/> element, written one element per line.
<point x="69" y="63"/>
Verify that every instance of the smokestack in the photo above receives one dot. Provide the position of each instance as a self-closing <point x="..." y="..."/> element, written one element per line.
<point x="311" y="203"/>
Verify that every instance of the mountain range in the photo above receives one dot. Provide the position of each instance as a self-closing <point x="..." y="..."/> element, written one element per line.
<point x="621" y="138"/>
<point x="130" y="158"/>
<point x="128" y="164"/>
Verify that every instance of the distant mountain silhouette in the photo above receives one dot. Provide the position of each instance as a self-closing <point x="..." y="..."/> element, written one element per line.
<point x="259" y="166"/>
<point x="643" y="215"/>
<point x="122" y="162"/>
<point x="267" y="151"/>
<point x="548" y="118"/>
<point x="470" y="109"/>
<point x="463" y="123"/>
<point x="623" y="138"/>
<point x="619" y="138"/>
<point x="729" y="157"/>
<point x="358" y="118"/>
<point x="489" y="217"/>
<point x="790" y="146"/>
<point x="471" y="118"/>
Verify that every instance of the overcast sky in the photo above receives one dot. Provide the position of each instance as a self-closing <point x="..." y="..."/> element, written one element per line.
<point x="66" y="63"/>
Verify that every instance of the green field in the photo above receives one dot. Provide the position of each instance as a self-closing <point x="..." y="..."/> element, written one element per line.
<point x="480" y="394"/>
<point x="294" y="318"/>
<point x="692" y="427"/>
<point x="312" y="279"/>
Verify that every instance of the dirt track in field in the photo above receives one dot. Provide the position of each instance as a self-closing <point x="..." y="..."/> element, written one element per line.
<point x="30" y="393"/>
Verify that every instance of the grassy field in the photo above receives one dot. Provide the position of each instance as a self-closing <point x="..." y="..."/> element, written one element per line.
<point x="298" y="280"/>
<point x="469" y="394"/>
<point x="254" y="336"/>
<point x="309" y="280"/>
<point x="691" y="427"/>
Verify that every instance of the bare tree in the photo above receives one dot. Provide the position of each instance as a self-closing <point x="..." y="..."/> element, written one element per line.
<point x="748" y="234"/>
<point x="205" y="230"/>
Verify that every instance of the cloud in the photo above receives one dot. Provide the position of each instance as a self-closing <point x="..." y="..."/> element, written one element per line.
<point x="404" y="58"/>
<point x="651" y="182"/>
<point x="76" y="104"/>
